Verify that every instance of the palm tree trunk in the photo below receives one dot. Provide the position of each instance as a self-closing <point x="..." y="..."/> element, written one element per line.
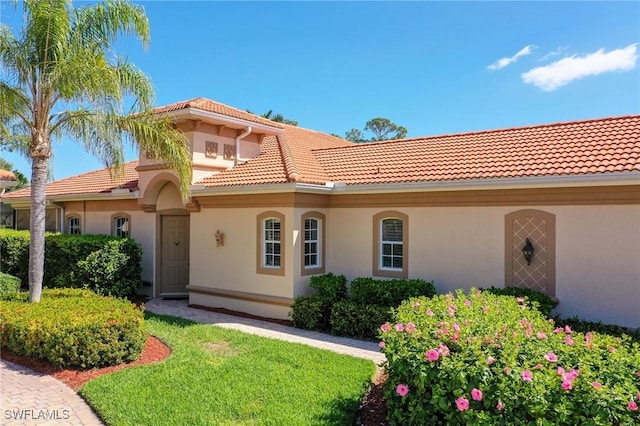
<point x="39" y="175"/>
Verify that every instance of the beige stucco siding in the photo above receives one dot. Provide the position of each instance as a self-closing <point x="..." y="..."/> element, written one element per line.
<point x="233" y="266"/>
<point x="597" y="252"/>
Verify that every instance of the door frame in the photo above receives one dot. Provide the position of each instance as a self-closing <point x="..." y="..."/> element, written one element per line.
<point x="157" y="288"/>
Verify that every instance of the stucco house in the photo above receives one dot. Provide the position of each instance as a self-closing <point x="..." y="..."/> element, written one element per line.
<point x="273" y="204"/>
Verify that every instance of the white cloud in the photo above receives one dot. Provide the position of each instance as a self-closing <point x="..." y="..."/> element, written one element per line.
<point x="503" y="62"/>
<point x="553" y="53"/>
<point x="557" y="74"/>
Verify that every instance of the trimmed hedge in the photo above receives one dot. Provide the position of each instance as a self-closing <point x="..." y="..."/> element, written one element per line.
<point x="533" y="299"/>
<point x="366" y="291"/>
<point x="484" y="359"/>
<point x="308" y="312"/>
<point x="76" y="261"/>
<point x="73" y="327"/>
<point x="356" y="320"/>
<point x="9" y="284"/>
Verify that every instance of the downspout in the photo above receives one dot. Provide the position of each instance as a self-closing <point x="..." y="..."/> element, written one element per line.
<point x="242" y="135"/>
<point x="59" y="207"/>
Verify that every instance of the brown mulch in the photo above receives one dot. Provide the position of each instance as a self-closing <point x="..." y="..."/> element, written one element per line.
<point x="154" y="351"/>
<point x="373" y="408"/>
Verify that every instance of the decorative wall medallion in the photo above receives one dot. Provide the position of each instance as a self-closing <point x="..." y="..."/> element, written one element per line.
<point x="211" y="149"/>
<point x="229" y="152"/>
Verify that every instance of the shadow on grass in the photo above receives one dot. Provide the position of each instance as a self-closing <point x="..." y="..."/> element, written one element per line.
<point x="342" y="410"/>
<point x="170" y="320"/>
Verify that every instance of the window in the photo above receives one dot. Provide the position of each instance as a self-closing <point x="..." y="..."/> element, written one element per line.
<point x="312" y="243"/>
<point x="73" y="225"/>
<point x="390" y="245"/>
<point x="121" y="225"/>
<point x="271" y="243"/>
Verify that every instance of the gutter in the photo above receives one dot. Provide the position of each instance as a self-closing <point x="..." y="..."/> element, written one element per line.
<point x="241" y="136"/>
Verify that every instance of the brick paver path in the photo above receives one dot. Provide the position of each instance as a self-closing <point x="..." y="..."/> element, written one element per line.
<point x="30" y="398"/>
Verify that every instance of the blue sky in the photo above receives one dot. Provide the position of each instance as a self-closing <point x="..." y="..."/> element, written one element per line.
<point x="433" y="67"/>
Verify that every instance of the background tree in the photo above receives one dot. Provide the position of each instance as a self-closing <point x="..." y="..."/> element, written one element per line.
<point x="277" y="117"/>
<point x="61" y="76"/>
<point x="381" y="128"/>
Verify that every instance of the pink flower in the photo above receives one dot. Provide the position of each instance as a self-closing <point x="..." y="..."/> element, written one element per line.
<point x="527" y="376"/>
<point x="443" y="350"/>
<point x="571" y="375"/>
<point x="612" y="349"/>
<point x="490" y="360"/>
<point x="476" y="394"/>
<point x="385" y="327"/>
<point x="507" y="370"/>
<point x="541" y="336"/>
<point x="566" y="385"/>
<point x="558" y="330"/>
<point x="456" y="327"/>
<point x="520" y="299"/>
<point x="551" y="357"/>
<point x="432" y="355"/>
<point x="499" y="405"/>
<point x="538" y="367"/>
<point x="560" y="371"/>
<point x="569" y="340"/>
<point x="467" y="302"/>
<point x="402" y="390"/>
<point x="633" y="406"/>
<point x="452" y="310"/>
<point x="411" y="327"/>
<point x="588" y="338"/>
<point x="551" y="321"/>
<point x="399" y="327"/>
<point x="596" y="385"/>
<point x="462" y="404"/>
<point x="567" y="329"/>
<point x="382" y="345"/>
<point x="638" y="395"/>
<point x="429" y="312"/>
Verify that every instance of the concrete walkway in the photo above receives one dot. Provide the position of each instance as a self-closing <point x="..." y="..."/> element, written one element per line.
<point x="342" y="345"/>
<point x="29" y="398"/>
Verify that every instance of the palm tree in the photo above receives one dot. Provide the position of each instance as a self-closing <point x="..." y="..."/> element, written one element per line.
<point x="61" y="77"/>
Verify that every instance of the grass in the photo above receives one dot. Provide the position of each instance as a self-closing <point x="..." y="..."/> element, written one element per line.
<point x="217" y="376"/>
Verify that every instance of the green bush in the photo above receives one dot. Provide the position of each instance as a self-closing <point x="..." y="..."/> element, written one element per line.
<point x="73" y="327"/>
<point x="9" y="284"/>
<point x="14" y="253"/>
<point x="585" y="326"/>
<point x="108" y="271"/>
<point x="484" y="359"/>
<point x="330" y="287"/>
<point x="63" y="254"/>
<point x="366" y="291"/>
<point x="356" y="320"/>
<point x="533" y="299"/>
<point x="308" y="312"/>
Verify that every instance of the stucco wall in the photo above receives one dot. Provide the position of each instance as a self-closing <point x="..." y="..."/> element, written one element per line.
<point x="233" y="267"/>
<point x="597" y="252"/>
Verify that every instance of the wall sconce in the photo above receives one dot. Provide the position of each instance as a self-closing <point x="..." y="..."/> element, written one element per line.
<point x="219" y="239"/>
<point x="527" y="251"/>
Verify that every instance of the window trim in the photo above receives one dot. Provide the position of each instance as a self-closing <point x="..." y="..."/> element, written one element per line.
<point x="378" y="270"/>
<point x="113" y="222"/>
<point x="68" y="225"/>
<point x="261" y="268"/>
<point x="320" y="268"/>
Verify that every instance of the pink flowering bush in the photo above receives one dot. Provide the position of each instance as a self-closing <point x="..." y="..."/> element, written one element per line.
<point x="484" y="359"/>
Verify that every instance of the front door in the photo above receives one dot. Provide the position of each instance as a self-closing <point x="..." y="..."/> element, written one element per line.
<point x="175" y="254"/>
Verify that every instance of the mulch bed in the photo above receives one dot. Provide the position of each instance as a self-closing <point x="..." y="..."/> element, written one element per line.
<point x="154" y="351"/>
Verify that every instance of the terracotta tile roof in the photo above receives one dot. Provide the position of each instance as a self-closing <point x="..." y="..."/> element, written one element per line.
<point x="208" y="105"/>
<point x="574" y="148"/>
<point x="283" y="158"/>
<point x="96" y="182"/>
<point x="7" y="175"/>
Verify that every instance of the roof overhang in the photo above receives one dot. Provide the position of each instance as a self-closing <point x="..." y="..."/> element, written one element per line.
<point x="25" y="202"/>
<point x="214" y="118"/>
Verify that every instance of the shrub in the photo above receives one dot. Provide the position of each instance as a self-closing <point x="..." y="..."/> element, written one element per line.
<point x="480" y="358"/>
<point x="330" y="287"/>
<point x="9" y="284"/>
<point x="586" y="326"/>
<point x="14" y="253"/>
<point x="534" y="299"/>
<point x="389" y="293"/>
<point x="308" y="312"/>
<point x="355" y="320"/>
<point x="73" y="327"/>
<point x="108" y="271"/>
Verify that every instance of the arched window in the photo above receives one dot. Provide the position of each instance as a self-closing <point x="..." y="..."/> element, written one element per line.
<point x="313" y="243"/>
<point x="73" y="225"/>
<point x="121" y="225"/>
<point x="391" y="249"/>
<point x="271" y="253"/>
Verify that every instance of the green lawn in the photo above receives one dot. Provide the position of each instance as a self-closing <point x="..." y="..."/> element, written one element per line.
<point x="217" y="376"/>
